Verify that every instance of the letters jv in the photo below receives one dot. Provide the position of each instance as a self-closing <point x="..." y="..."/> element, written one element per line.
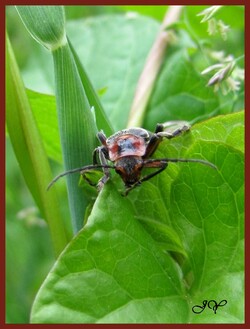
<point x="212" y="304"/>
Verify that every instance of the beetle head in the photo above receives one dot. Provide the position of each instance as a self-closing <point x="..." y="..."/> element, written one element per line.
<point x="129" y="168"/>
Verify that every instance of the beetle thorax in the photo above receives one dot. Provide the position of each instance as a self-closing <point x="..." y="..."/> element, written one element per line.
<point x="126" y="145"/>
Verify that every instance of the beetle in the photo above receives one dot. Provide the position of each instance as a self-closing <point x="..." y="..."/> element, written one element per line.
<point x="129" y="151"/>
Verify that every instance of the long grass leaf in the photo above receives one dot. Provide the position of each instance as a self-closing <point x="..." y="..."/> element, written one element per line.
<point x="29" y="150"/>
<point x="76" y="122"/>
<point x="102" y="121"/>
<point x="77" y="128"/>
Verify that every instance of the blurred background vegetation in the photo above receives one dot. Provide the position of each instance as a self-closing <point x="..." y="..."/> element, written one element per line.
<point x="29" y="254"/>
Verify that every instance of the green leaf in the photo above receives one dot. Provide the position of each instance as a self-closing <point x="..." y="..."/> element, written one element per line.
<point x="116" y="263"/>
<point x="29" y="150"/>
<point x="52" y="34"/>
<point x="230" y="129"/>
<point x="185" y="98"/>
<point x="44" y="110"/>
<point x="212" y="213"/>
<point x="163" y="234"/>
<point x="115" y="283"/>
<point x="76" y="123"/>
<point x="156" y="12"/>
<point x="77" y="128"/>
<point x="102" y="121"/>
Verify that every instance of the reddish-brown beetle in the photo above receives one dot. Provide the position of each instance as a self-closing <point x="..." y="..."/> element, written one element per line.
<point x="129" y="150"/>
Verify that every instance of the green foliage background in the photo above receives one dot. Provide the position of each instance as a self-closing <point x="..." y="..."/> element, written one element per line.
<point x="113" y="48"/>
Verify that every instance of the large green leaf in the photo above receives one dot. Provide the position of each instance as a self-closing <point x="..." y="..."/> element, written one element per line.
<point x="100" y="279"/>
<point x="118" y="270"/>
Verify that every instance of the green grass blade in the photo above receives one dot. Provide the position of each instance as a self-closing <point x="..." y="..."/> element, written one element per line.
<point x="76" y="125"/>
<point x="29" y="150"/>
<point x="102" y="121"/>
<point x="49" y="35"/>
<point x="76" y="122"/>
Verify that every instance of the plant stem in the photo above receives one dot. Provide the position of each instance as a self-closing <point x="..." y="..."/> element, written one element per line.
<point x="151" y="68"/>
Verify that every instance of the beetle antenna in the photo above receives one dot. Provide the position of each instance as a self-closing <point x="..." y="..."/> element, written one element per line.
<point x="207" y="163"/>
<point x="72" y="171"/>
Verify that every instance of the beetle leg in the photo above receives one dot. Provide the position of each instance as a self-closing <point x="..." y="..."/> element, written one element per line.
<point x="155" y="140"/>
<point x="159" y="127"/>
<point x="94" y="156"/>
<point x="102" y="137"/>
<point x="97" y="152"/>
<point x="161" y="164"/>
<point x="181" y="126"/>
<point x="160" y="132"/>
<point x="153" y="143"/>
<point x="100" y="152"/>
<point x="82" y="171"/>
<point x="106" y="171"/>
